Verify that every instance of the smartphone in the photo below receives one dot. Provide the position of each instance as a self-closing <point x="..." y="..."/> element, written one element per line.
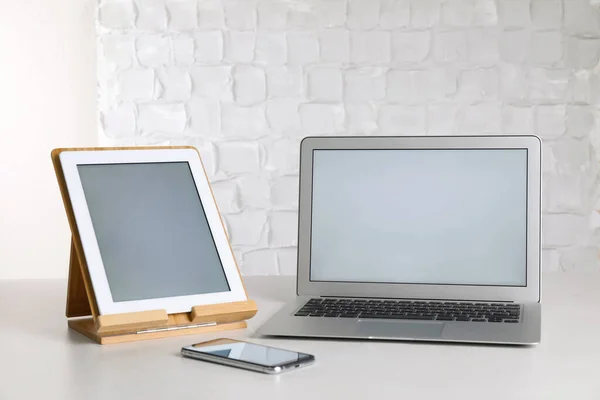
<point x="254" y="357"/>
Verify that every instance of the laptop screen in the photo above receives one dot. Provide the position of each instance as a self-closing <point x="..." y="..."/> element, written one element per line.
<point x="422" y="216"/>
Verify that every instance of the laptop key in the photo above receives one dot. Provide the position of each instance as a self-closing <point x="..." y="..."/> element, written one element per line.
<point x="301" y="314"/>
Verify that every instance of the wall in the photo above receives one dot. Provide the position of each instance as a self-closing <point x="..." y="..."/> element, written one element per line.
<point x="245" y="80"/>
<point x="47" y="100"/>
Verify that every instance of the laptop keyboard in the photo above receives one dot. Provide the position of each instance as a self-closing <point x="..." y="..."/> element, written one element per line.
<point x="411" y="310"/>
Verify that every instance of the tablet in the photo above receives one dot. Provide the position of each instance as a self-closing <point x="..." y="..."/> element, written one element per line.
<point x="150" y="230"/>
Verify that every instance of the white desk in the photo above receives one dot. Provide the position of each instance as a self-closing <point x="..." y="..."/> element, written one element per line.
<point x="41" y="358"/>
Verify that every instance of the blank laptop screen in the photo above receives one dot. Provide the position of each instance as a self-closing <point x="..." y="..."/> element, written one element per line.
<point x="448" y="216"/>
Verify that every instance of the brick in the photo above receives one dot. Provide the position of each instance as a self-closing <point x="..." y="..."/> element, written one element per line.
<point x="211" y="14"/>
<point x="514" y="46"/>
<point x="176" y="83"/>
<point x="227" y="196"/>
<point x="581" y="52"/>
<point x="183" y="14"/>
<point x="321" y="119"/>
<point x="563" y="229"/>
<point x="425" y="13"/>
<point x="370" y="47"/>
<point x="485" y="13"/>
<point x="272" y="15"/>
<point x="288" y="261"/>
<point x="361" y="119"/>
<point x="208" y="47"/>
<point x="581" y="87"/>
<point x="480" y="119"/>
<point x="482" y="45"/>
<point x="324" y="84"/>
<point x="284" y="193"/>
<point x="580" y="258"/>
<point x="302" y="17"/>
<point x="394" y="14"/>
<point x="514" y="13"/>
<point x="442" y="119"/>
<point x="116" y="14"/>
<point x="549" y="163"/>
<point x="563" y="192"/>
<point x="161" y="119"/>
<point x="365" y="84"/>
<point x="239" y="46"/>
<point x="153" y="50"/>
<point x="151" y="15"/>
<point x="458" y="13"/>
<point x="513" y="82"/>
<point x="254" y="191"/>
<point x="302" y="47"/>
<point x="551" y="260"/>
<point x="183" y="50"/>
<point x="283" y="230"/>
<point x="212" y="82"/>
<point x="260" y="262"/>
<point x="580" y="121"/>
<point x="581" y="19"/>
<point x="119" y="121"/>
<point x="450" y="47"/>
<point x="271" y="48"/>
<point x="283" y="116"/>
<point x="283" y="155"/>
<point x="250" y="86"/>
<point x="241" y="15"/>
<point x="284" y="81"/>
<point x="402" y="120"/>
<point x="411" y="47"/>
<point x="238" y="157"/>
<point x="419" y="86"/>
<point x="247" y="228"/>
<point x="517" y="119"/>
<point x="546" y="48"/>
<point x="550" y="121"/>
<point x="363" y="14"/>
<point x="118" y="51"/>
<point x="478" y="85"/>
<point x="136" y="85"/>
<point x="243" y="122"/>
<point x="546" y="14"/>
<point x="548" y="84"/>
<point x="334" y="45"/>
<point x="331" y="13"/>
<point x="572" y="154"/>
<point x="205" y="118"/>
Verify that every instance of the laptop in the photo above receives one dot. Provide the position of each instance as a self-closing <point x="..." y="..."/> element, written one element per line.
<point x="417" y="238"/>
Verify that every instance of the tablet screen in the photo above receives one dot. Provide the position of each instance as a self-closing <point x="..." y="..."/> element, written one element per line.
<point x="152" y="231"/>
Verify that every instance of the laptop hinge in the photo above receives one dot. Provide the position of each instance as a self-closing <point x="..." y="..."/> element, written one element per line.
<point x="417" y="299"/>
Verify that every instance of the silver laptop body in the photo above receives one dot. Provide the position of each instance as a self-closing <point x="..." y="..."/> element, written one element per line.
<point x="418" y="238"/>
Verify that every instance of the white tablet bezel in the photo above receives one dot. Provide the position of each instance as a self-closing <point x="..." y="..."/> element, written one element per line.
<point x="71" y="159"/>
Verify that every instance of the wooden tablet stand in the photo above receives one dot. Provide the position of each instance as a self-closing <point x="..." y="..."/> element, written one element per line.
<point x="84" y="317"/>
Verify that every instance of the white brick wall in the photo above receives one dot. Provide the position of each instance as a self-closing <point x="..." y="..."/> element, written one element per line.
<point x="245" y="80"/>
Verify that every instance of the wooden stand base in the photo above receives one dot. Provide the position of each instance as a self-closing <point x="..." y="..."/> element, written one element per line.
<point x="86" y="327"/>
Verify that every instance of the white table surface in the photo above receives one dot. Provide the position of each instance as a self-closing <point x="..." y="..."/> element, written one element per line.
<point x="41" y="358"/>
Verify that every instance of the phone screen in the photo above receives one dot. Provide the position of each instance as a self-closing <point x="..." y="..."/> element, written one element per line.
<point x="250" y="352"/>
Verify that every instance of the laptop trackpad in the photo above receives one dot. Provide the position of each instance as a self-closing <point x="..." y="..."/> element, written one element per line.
<point x="400" y="329"/>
